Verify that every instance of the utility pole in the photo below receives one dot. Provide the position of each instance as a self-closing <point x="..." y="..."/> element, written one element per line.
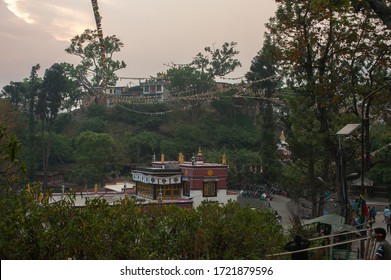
<point x="345" y="131"/>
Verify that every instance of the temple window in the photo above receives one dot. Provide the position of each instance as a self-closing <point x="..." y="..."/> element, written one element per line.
<point x="210" y="189"/>
<point x="186" y="189"/>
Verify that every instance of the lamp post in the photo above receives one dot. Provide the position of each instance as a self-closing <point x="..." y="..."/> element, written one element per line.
<point x="345" y="131"/>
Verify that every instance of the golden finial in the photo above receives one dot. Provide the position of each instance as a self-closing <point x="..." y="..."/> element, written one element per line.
<point x="40" y="198"/>
<point x="162" y="157"/>
<point x="282" y="136"/>
<point x="181" y="158"/>
<point x="224" y="159"/>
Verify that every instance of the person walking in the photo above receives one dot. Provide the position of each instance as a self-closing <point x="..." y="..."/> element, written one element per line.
<point x="386" y="214"/>
<point x="383" y="250"/>
<point x="373" y="213"/>
<point x="389" y="224"/>
<point x="298" y="243"/>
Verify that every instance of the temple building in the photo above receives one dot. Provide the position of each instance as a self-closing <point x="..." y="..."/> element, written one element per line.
<point x="173" y="181"/>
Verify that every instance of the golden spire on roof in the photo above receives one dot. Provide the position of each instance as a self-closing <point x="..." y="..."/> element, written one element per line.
<point x="200" y="157"/>
<point x="282" y="136"/>
<point x="224" y="159"/>
<point x="181" y="158"/>
<point x="162" y="157"/>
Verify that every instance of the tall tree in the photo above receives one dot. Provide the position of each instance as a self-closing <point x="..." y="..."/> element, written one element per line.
<point x="34" y="84"/>
<point x="197" y="76"/>
<point x="315" y="41"/>
<point x="218" y="62"/>
<point x="23" y="96"/>
<point x="90" y="70"/>
<point x="17" y="94"/>
<point x="55" y="87"/>
<point x="262" y="75"/>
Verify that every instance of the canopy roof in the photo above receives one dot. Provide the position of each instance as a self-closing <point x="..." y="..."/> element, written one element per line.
<point x="367" y="182"/>
<point x="335" y="221"/>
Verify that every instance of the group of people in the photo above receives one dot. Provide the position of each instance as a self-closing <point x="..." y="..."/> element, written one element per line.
<point x="298" y="246"/>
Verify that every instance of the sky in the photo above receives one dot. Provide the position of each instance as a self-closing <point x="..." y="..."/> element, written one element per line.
<point x="154" y="32"/>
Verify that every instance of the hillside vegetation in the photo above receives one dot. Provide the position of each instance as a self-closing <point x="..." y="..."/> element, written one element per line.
<point x="101" y="139"/>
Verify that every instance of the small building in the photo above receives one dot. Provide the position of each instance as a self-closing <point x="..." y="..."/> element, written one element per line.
<point x="184" y="180"/>
<point x="54" y="179"/>
<point x="155" y="183"/>
<point x="155" y="87"/>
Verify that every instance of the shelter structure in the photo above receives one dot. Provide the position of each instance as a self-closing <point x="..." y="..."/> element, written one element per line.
<point x="339" y="234"/>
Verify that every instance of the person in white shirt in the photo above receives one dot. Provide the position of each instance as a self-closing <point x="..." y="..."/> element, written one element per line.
<point x="386" y="214"/>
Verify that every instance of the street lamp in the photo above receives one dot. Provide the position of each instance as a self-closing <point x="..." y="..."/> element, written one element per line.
<point x="345" y="131"/>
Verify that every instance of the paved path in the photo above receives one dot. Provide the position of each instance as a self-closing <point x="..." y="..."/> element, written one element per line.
<point x="280" y="204"/>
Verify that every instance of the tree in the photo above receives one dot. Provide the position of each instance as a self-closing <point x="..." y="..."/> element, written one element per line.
<point x="90" y="71"/>
<point x="34" y="84"/>
<point x="322" y="57"/>
<point x="381" y="8"/>
<point x="55" y="87"/>
<point x="380" y="158"/>
<point x="197" y="76"/>
<point x="262" y="76"/>
<point x="187" y="80"/>
<point x="17" y="94"/>
<point x="12" y="168"/>
<point x="142" y="146"/>
<point x="125" y="230"/>
<point x="218" y="62"/>
<point x="93" y="152"/>
<point x="10" y="116"/>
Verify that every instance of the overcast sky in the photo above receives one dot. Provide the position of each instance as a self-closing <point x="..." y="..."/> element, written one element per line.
<point x="154" y="32"/>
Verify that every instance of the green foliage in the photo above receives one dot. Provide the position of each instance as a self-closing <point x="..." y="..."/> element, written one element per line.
<point x="93" y="124"/>
<point x="142" y="146"/>
<point x="381" y="157"/>
<point x="17" y="93"/>
<point x="189" y="138"/>
<point x="145" y="116"/>
<point x="197" y="76"/>
<point x="62" y="121"/>
<point x="218" y="62"/>
<point x="186" y="80"/>
<point x="240" y="161"/>
<point x="12" y="169"/>
<point x="62" y="150"/>
<point x="93" y="152"/>
<point x="329" y="68"/>
<point x="236" y="137"/>
<point x="86" y="46"/>
<point x="33" y="230"/>
<point x="96" y="111"/>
